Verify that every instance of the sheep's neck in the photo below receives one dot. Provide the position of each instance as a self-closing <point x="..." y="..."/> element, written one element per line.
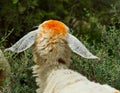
<point x="42" y="72"/>
<point x="44" y="66"/>
<point x="49" y="55"/>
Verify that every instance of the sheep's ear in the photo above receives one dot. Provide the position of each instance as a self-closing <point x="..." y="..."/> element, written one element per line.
<point x="79" y="48"/>
<point x="24" y="43"/>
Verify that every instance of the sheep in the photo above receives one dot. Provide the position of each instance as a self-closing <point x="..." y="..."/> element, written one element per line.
<point x="52" y="45"/>
<point x="4" y="70"/>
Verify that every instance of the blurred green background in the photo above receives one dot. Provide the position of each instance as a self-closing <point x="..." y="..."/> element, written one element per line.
<point x="95" y="22"/>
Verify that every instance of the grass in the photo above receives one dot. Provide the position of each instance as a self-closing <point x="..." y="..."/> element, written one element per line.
<point x="21" y="73"/>
<point x="107" y="70"/>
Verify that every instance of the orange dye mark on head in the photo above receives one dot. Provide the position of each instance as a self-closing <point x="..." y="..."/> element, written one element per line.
<point x="115" y="92"/>
<point x="56" y="26"/>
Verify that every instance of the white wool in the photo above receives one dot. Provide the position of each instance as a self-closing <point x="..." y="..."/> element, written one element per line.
<point x="68" y="81"/>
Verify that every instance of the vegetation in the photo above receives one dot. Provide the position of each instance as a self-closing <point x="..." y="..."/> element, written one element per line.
<point x="95" y="22"/>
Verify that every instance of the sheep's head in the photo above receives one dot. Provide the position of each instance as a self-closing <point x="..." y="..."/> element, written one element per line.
<point x="52" y="28"/>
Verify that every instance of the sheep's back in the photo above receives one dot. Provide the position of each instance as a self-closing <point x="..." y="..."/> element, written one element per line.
<point x="68" y="81"/>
